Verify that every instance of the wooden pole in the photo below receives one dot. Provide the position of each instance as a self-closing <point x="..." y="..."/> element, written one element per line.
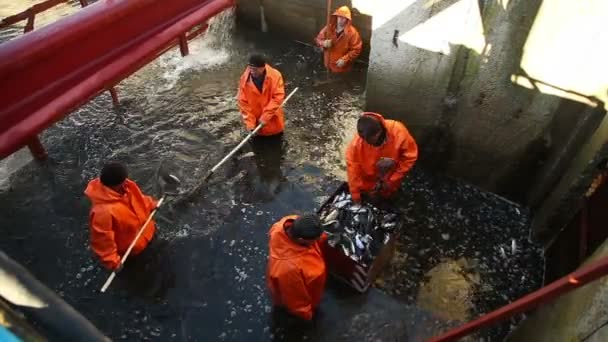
<point x="327" y="35"/>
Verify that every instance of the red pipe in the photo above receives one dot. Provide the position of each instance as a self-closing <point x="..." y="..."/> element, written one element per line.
<point x="581" y="277"/>
<point x="200" y="30"/>
<point x="114" y="95"/>
<point x="53" y="70"/>
<point x="183" y="45"/>
<point x="37" y="149"/>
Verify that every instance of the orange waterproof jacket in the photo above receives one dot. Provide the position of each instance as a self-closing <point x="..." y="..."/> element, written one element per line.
<point x="361" y="158"/>
<point x="115" y="220"/>
<point x="347" y="46"/>
<point x="296" y="274"/>
<point x="256" y="107"/>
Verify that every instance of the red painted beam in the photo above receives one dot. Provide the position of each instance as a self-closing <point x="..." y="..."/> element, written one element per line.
<point x="580" y="277"/>
<point x="49" y="72"/>
<point x="30" y="12"/>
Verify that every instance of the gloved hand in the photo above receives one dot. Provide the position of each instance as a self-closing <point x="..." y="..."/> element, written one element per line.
<point x="245" y="132"/>
<point x="340" y="63"/>
<point x="380" y="187"/>
<point x="265" y="118"/>
<point x="385" y="166"/>
<point x="327" y="43"/>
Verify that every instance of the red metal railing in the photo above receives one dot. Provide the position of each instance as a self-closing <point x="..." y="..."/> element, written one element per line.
<point x="581" y="277"/>
<point x="30" y="14"/>
<point x="51" y="71"/>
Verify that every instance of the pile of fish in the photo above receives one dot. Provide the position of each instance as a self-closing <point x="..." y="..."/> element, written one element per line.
<point x="359" y="230"/>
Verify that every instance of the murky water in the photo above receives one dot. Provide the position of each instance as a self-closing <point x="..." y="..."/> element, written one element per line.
<point x="183" y="111"/>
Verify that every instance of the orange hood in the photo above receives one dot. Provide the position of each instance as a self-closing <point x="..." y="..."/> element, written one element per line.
<point x="378" y="117"/>
<point x="344" y="12"/>
<point x="283" y="247"/>
<point x="100" y="194"/>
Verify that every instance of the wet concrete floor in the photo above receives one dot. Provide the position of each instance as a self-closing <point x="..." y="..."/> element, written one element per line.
<point x="183" y="112"/>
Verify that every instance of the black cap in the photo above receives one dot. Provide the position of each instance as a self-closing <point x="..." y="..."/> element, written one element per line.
<point x="307" y="227"/>
<point x="113" y="174"/>
<point x="368" y="126"/>
<point x="257" y="60"/>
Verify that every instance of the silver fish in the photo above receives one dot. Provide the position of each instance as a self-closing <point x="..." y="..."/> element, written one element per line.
<point x="352" y="246"/>
<point x="330" y="223"/>
<point x="332" y="215"/>
<point x="358" y="209"/>
<point x="389" y="225"/>
<point x="358" y="241"/>
<point x="339" y="198"/>
<point x="341" y="204"/>
<point x="503" y="253"/>
<point x="367" y="239"/>
<point x="345" y="250"/>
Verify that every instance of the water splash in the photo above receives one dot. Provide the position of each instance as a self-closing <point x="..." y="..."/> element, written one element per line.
<point x="207" y="52"/>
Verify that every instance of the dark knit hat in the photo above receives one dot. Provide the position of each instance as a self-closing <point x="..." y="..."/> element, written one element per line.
<point x="307" y="226"/>
<point x="257" y="60"/>
<point x="368" y="126"/>
<point x="113" y="174"/>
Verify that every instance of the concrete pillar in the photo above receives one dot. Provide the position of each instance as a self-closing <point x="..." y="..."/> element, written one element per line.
<point x="499" y="93"/>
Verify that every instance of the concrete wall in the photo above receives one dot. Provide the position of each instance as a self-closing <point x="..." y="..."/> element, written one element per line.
<point x="577" y="316"/>
<point x="502" y="93"/>
<point x="507" y="94"/>
<point x="300" y="19"/>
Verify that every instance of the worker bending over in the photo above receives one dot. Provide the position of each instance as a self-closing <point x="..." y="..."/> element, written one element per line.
<point x="119" y="210"/>
<point x="296" y="271"/>
<point x="378" y="157"/>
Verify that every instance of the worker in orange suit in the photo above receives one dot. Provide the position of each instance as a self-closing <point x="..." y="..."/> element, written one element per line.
<point x="340" y="41"/>
<point x="379" y="156"/>
<point x="296" y="271"/>
<point x="119" y="210"/>
<point x="261" y="93"/>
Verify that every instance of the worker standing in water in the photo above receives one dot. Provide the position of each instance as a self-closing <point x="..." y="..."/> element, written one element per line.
<point x="296" y="271"/>
<point x="378" y="157"/>
<point x="119" y="209"/>
<point x="261" y="93"/>
<point x="340" y="41"/>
